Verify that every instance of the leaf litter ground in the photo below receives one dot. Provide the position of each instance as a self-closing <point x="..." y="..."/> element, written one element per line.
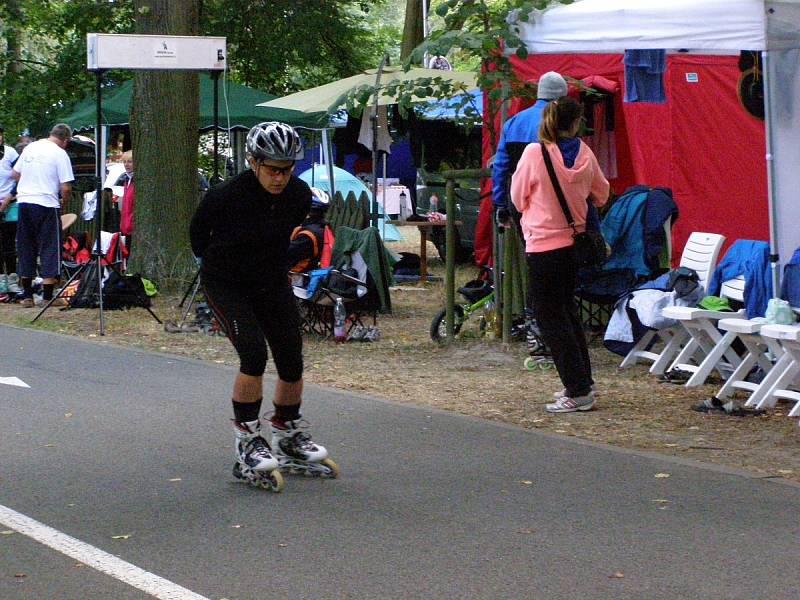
<point x="479" y="377"/>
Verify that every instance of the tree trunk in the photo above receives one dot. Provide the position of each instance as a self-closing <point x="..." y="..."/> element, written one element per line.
<point x="164" y="123"/>
<point x="413" y="31"/>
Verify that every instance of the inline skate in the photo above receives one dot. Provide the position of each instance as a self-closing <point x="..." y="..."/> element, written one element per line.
<point x="539" y="355"/>
<point x="255" y="462"/>
<point x="297" y="453"/>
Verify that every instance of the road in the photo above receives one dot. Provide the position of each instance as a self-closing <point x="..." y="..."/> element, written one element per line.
<point x="121" y="458"/>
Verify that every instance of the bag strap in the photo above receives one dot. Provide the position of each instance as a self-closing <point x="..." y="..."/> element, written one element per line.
<point x="557" y="187"/>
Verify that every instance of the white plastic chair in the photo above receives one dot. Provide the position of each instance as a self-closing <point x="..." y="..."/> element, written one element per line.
<point x="700" y="253"/>
<point x="785" y="375"/>
<point x="708" y="348"/>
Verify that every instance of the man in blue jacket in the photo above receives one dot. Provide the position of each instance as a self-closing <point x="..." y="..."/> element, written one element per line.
<point x="519" y="131"/>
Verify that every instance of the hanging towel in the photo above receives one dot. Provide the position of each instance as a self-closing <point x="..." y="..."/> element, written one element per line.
<point x="644" y="75"/>
<point x="365" y="133"/>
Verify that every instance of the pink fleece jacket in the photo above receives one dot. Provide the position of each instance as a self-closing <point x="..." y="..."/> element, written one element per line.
<point x="543" y="222"/>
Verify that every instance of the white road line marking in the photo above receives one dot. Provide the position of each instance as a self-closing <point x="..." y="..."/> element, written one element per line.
<point x="104" y="562"/>
<point x="13" y="381"/>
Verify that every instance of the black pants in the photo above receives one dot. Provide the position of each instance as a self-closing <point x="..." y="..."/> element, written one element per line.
<point x="8" y="247"/>
<point x="255" y="318"/>
<point x="551" y="280"/>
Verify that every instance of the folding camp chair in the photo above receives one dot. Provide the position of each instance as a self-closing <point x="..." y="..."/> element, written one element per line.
<point x="361" y="277"/>
<point x="700" y="254"/>
<point x="316" y="299"/>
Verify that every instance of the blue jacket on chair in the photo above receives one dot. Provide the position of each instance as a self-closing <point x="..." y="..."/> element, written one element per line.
<point x="751" y="259"/>
<point x="790" y="284"/>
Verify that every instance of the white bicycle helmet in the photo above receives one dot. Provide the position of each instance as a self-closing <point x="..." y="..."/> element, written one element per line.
<point x="272" y="140"/>
<point x="320" y="199"/>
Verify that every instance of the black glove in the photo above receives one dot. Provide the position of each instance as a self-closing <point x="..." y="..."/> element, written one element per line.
<point x="502" y="217"/>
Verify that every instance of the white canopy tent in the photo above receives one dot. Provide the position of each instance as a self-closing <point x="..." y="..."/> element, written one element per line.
<point x="708" y="26"/>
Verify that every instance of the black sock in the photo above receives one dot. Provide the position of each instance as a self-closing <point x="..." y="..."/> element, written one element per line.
<point x="246" y="411"/>
<point x="286" y="413"/>
<point x="47" y="293"/>
<point x="27" y="286"/>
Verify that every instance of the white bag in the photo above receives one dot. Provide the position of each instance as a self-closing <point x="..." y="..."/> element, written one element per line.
<point x="779" y="312"/>
<point x="89" y="206"/>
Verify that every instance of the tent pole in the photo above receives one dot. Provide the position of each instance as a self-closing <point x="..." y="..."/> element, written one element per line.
<point x="327" y="150"/>
<point x="773" y="224"/>
<point x="216" y="178"/>
<point x="374" y="118"/>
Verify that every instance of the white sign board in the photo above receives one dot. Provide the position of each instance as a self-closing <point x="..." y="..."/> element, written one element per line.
<point x="145" y="52"/>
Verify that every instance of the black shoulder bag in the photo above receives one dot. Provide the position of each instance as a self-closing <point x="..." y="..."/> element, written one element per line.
<point x="590" y="247"/>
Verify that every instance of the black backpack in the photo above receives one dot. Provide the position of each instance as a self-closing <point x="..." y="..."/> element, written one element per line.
<point x="124" y="291"/>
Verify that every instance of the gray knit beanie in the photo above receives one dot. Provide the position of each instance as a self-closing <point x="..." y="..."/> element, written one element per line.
<point x="551" y="86"/>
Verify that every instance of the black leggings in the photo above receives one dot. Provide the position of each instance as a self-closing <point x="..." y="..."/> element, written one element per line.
<point x="255" y="318"/>
<point x="8" y="247"/>
<point x="551" y="281"/>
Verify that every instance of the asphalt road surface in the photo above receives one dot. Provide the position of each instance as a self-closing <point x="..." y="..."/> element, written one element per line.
<point x="115" y="483"/>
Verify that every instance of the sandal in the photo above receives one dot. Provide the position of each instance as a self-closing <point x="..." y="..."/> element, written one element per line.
<point x="172" y="327"/>
<point x="735" y="409"/>
<point x="710" y="405"/>
<point x="676" y="376"/>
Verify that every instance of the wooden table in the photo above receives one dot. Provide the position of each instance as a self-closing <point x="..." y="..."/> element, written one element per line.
<point x="425" y="227"/>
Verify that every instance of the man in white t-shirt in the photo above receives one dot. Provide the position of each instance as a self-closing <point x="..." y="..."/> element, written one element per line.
<point x="44" y="175"/>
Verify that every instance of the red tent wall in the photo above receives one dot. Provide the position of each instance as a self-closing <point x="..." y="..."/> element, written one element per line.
<point x="701" y="143"/>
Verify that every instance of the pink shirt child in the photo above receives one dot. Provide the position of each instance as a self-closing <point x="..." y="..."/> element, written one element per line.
<point x="543" y="222"/>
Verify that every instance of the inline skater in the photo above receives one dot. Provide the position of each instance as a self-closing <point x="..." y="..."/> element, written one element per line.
<point x="241" y="232"/>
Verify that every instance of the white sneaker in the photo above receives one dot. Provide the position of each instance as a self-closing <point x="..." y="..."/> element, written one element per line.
<point x="566" y="404"/>
<point x="563" y="392"/>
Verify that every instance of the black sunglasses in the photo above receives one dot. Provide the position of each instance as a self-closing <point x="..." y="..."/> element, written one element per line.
<point x="275" y="171"/>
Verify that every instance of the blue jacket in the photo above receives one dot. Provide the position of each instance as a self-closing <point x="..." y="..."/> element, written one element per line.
<point x="519" y="131"/>
<point x="751" y="259"/>
<point x="790" y="285"/>
<point x="623" y="230"/>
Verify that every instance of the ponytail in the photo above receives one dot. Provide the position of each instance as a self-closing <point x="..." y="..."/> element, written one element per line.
<point x="558" y="118"/>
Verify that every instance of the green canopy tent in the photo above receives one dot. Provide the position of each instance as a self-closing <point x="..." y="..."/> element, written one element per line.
<point x="242" y="108"/>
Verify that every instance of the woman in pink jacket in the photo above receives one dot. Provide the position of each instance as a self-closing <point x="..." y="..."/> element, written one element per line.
<point x="552" y="266"/>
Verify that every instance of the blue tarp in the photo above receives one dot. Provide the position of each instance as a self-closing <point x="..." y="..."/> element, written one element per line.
<point x="452" y="108"/>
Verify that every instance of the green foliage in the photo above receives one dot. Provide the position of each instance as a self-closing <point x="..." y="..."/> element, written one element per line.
<point x="49" y="70"/>
<point x="281" y="46"/>
<point x="278" y="46"/>
<point x="475" y="32"/>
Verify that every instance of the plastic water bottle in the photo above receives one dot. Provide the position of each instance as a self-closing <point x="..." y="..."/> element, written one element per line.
<point x="339" y="318"/>
<point x="434" y="201"/>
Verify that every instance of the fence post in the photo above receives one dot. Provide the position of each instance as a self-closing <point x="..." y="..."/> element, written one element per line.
<point x="450" y="258"/>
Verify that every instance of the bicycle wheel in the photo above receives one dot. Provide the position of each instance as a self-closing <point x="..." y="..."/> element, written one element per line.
<point x="438" y="326"/>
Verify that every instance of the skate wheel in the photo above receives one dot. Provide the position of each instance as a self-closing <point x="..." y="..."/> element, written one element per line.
<point x="273" y="482"/>
<point x="331" y="467"/>
<point x="530" y="363"/>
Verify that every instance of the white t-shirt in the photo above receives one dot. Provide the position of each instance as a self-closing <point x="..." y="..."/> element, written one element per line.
<point x="43" y="166"/>
<point x="6" y="182"/>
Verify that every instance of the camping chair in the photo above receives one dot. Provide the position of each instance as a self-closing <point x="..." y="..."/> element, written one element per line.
<point x="637" y="227"/>
<point x="317" y="292"/>
<point x="360" y="276"/>
<point x="700" y="254"/>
